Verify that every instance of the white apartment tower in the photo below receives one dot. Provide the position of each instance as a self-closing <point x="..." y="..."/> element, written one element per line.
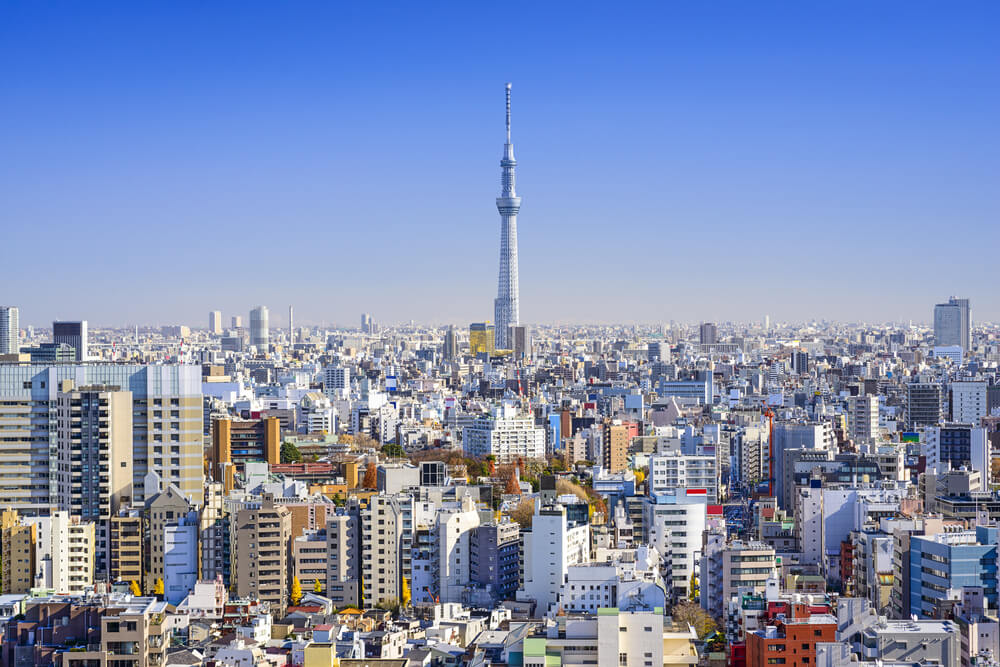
<point x="10" y="333"/>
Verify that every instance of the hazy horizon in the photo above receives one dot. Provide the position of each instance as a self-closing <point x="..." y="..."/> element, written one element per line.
<point x="685" y="162"/>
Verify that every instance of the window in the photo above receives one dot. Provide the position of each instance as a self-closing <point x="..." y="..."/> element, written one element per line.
<point x="623" y="658"/>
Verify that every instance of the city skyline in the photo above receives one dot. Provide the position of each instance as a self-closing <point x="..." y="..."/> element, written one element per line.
<point x="798" y="161"/>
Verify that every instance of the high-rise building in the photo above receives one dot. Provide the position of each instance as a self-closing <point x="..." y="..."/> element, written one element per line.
<point x="261" y="552"/>
<point x="291" y="325"/>
<point x="64" y="555"/>
<point x="10" y="333"/>
<point x="343" y="548"/>
<point x="968" y="401"/>
<point x="94" y="445"/>
<point x="260" y="333"/>
<point x="215" y="322"/>
<point x="167" y="426"/>
<point x="481" y="339"/>
<point x="924" y="404"/>
<point x="236" y="321"/>
<point x="450" y="344"/>
<point x="494" y="557"/>
<point x="615" y="447"/>
<point x="953" y="323"/>
<point x="74" y="334"/>
<point x="862" y="418"/>
<point x="520" y="337"/>
<point x="708" y="333"/>
<point x="506" y="306"/>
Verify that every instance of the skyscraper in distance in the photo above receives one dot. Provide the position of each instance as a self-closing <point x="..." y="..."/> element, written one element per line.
<point x="10" y="332"/>
<point x="215" y="322"/>
<point x="260" y="332"/>
<point x="953" y="323"/>
<point x="506" y="307"/>
<point x="74" y="334"/>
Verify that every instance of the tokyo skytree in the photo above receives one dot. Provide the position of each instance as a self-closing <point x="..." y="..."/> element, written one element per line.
<point x="505" y="306"/>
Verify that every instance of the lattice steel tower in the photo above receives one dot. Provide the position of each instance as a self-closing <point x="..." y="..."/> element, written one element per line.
<point x="506" y="306"/>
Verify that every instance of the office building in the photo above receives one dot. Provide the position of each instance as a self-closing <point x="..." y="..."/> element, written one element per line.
<point x="948" y="561"/>
<point x="506" y="306"/>
<point x="215" y="322"/>
<point x="481" y="339"/>
<point x="953" y="324"/>
<point x="260" y="554"/>
<point x="924" y="404"/>
<point x="521" y="340"/>
<point x="73" y="334"/>
<point x="955" y="446"/>
<point x="50" y="353"/>
<point x="236" y="322"/>
<point x="968" y="401"/>
<point x="708" y="333"/>
<point x="450" y="348"/>
<point x="167" y="426"/>
<point x="10" y="332"/>
<point x="260" y="332"/>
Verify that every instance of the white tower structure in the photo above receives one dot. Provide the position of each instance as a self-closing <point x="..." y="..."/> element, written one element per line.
<point x="506" y="306"/>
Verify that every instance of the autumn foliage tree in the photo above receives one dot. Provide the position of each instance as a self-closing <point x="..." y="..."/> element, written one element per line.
<point x="692" y="614"/>
<point x="523" y="513"/>
<point x="296" y="591"/>
<point x="371" y="477"/>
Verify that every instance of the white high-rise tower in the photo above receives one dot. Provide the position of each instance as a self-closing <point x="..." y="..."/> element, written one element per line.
<point x="506" y="306"/>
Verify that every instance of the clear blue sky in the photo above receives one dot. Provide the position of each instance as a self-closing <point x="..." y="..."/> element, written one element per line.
<point x="697" y="160"/>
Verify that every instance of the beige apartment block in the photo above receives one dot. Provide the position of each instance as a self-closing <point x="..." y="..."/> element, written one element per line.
<point x="261" y="554"/>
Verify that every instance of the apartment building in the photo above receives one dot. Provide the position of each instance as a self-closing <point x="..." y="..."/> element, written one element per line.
<point x="125" y="557"/>
<point x="18" y="541"/>
<point x="261" y="552"/>
<point x="166" y="417"/>
<point x="94" y="457"/>
<point x="343" y="537"/>
<point x="310" y="558"/>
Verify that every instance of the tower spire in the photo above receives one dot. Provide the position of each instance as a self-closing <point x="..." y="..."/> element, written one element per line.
<point x="508" y="113"/>
<point x="506" y="305"/>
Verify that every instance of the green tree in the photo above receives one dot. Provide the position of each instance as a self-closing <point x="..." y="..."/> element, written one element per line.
<point x="290" y="453"/>
<point x="392" y="450"/>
